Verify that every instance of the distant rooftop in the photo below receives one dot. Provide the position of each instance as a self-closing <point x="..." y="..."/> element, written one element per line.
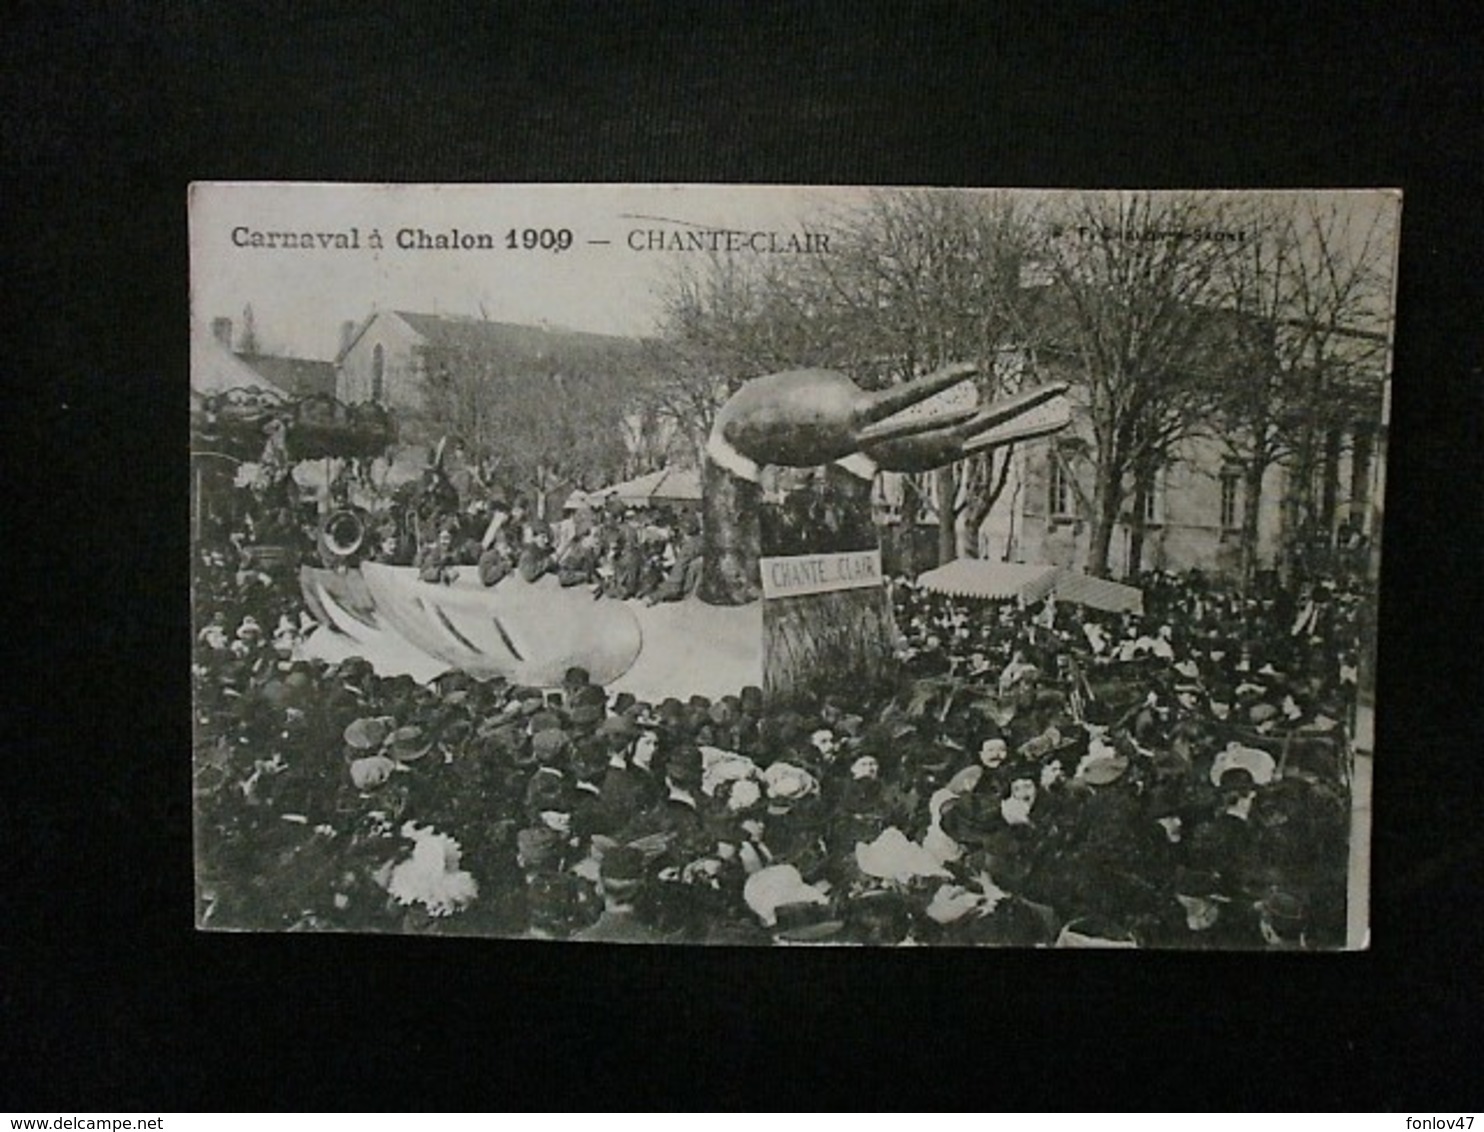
<point x="454" y="330"/>
<point x="483" y="335"/>
<point x="299" y="377"/>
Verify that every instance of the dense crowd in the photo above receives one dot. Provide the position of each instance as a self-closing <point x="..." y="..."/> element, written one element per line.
<point x="1046" y="775"/>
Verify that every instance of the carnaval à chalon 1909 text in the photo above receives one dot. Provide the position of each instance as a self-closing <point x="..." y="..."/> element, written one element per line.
<point x="553" y="240"/>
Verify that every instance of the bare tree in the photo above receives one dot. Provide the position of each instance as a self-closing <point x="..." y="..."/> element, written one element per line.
<point x="1307" y="352"/>
<point x="922" y="280"/>
<point x="539" y="420"/>
<point x="1132" y="273"/>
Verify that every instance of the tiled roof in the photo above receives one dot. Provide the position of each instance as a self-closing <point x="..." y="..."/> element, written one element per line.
<point x="532" y="341"/>
<point x="298" y="377"/>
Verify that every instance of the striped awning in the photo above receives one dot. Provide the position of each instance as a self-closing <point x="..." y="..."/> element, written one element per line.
<point x="1098" y="593"/>
<point x="1028" y="583"/>
<point x="667" y="485"/>
<point x="991" y="581"/>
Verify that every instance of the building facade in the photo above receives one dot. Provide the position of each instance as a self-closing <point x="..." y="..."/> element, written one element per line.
<point x="1192" y="519"/>
<point x="381" y="360"/>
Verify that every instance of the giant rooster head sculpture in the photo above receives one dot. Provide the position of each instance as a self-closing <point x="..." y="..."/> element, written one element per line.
<point x="813" y="416"/>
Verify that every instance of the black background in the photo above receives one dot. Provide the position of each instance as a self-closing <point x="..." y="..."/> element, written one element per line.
<point x="109" y="998"/>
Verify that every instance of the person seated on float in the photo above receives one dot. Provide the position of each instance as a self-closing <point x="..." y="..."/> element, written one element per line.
<point x="436" y="562"/>
<point x="388" y="548"/>
<point x="657" y="525"/>
<point x="497" y="560"/>
<point x="436" y="496"/>
<point x="500" y="517"/>
<point x="628" y="565"/>
<point x="462" y="475"/>
<point x="536" y="558"/>
<point x="519" y="521"/>
<point x="578" y="564"/>
<point x="684" y="575"/>
<point x="467" y="546"/>
<point x="652" y="568"/>
<point x="607" y="538"/>
<point x="578" y="520"/>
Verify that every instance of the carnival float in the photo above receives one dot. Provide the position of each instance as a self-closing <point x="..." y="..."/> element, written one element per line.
<point x="762" y="614"/>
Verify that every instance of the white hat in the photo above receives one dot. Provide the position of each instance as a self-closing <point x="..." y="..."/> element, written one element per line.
<point x="718" y="767"/>
<point x="769" y="888"/>
<point x="951" y="903"/>
<point x="744" y="793"/>
<point x="786" y="781"/>
<point x="892" y="857"/>
<point x="1255" y="761"/>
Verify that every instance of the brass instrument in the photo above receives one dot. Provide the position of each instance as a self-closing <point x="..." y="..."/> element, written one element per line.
<point x="342" y="534"/>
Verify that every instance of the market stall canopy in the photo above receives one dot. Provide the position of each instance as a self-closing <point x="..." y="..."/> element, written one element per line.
<point x="991" y="581"/>
<point x="1098" y="593"/>
<point x="1028" y="583"/>
<point x="668" y="485"/>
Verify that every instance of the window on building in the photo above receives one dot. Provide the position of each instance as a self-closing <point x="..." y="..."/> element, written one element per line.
<point x="1059" y="502"/>
<point x="378" y="374"/>
<point x="1231" y="494"/>
<point x="1154" y="501"/>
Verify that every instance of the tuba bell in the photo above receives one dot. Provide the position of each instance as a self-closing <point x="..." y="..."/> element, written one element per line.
<point x="341" y="535"/>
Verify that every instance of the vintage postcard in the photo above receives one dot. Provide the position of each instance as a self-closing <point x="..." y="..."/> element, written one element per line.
<point x="748" y="565"/>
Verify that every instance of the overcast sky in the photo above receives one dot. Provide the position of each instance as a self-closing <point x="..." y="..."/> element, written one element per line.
<point x="300" y="297"/>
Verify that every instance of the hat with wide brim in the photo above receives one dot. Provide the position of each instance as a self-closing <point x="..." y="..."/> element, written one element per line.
<point x="1286" y="911"/>
<point x="973" y="818"/>
<point x="1262" y="712"/>
<point x="893" y="857"/>
<point x="1104" y="770"/>
<point x="367" y="733"/>
<point x="1049" y="742"/>
<point x="1091" y="932"/>
<point x="1201" y="883"/>
<point x="805" y="921"/>
<point x="408" y="743"/>
<point x="774" y="886"/>
<point x="1254" y="760"/>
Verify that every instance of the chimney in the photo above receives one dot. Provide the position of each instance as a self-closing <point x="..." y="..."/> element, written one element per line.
<point x="221" y="330"/>
<point x="347" y="332"/>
